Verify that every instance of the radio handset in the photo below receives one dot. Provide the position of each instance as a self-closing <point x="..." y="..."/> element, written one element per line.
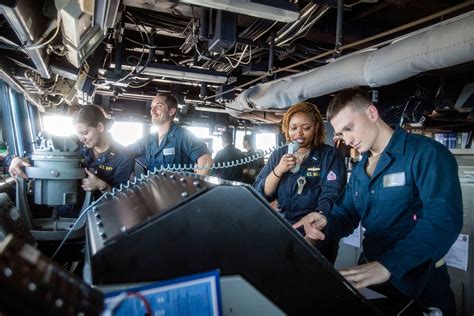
<point x="292" y="148"/>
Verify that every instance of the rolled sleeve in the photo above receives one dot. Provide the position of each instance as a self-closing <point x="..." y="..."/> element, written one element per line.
<point x="138" y="148"/>
<point x="194" y="147"/>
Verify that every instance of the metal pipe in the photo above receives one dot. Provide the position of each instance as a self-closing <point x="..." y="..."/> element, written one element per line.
<point x="33" y="117"/>
<point x="204" y="24"/>
<point x="270" y="54"/>
<point x="441" y="46"/>
<point x="340" y="17"/>
<point x="20" y="122"/>
<point x="366" y="40"/>
<point x="7" y="123"/>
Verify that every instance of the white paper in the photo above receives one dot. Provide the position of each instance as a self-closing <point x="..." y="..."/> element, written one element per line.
<point x="457" y="256"/>
<point x="355" y="238"/>
<point x="370" y="294"/>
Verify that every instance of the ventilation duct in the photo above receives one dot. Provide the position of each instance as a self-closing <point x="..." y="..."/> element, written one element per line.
<point x="445" y="45"/>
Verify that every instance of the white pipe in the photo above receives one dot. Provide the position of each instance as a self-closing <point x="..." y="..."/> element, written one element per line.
<point x="442" y="46"/>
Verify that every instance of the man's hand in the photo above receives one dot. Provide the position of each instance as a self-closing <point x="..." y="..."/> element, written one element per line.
<point x="204" y="164"/>
<point x="367" y="274"/>
<point x="313" y="223"/>
<point x="92" y="182"/>
<point x="16" y="168"/>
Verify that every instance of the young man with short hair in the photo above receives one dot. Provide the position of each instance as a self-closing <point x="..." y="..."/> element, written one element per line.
<point x="405" y="192"/>
<point x="171" y="146"/>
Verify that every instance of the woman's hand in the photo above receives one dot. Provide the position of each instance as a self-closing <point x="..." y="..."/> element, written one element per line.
<point x="92" y="182"/>
<point x="287" y="162"/>
<point x="16" y="168"/>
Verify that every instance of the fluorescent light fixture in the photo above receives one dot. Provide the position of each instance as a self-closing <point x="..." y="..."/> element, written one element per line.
<point x="282" y="10"/>
<point x="178" y="72"/>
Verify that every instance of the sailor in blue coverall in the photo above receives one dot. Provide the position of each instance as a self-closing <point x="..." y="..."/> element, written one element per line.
<point x="113" y="166"/>
<point x="107" y="163"/>
<point x="171" y="146"/>
<point x="406" y="194"/>
<point x="178" y="148"/>
<point x="321" y="168"/>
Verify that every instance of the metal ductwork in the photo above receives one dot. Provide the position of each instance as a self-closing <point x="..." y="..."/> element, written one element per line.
<point x="84" y="25"/>
<point x="28" y="23"/>
<point x="447" y="44"/>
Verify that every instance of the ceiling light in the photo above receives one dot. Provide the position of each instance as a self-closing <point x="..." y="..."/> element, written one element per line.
<point x="178" y="72"/>
<point x="281" y="10"/>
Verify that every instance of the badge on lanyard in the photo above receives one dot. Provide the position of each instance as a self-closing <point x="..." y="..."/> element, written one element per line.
<point x="168" y="151"/>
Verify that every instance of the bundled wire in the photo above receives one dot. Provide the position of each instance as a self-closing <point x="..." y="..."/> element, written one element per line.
<point x="39" y="43"/>
<point x="126" y="296"/>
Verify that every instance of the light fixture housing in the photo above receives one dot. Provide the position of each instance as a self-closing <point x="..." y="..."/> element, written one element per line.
<point x="178" y="72"/>
<point x="276" y="10"/>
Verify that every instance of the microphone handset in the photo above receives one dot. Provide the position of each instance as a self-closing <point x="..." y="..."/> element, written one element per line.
<point x="292" y="148"/>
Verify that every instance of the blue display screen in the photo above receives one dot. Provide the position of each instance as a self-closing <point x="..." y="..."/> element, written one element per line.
<point x="192" y="295"/>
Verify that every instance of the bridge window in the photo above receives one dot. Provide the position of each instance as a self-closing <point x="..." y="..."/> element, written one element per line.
<point x="126" y="133"/>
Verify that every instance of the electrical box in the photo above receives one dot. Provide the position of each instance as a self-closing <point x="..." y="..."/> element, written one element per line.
<point x="225" y="29"/>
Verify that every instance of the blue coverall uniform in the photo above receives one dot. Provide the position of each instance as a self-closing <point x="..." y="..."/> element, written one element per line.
<point x="178" y="148"/>
<point x="325" y="176"/>
<point x="113" y="166"/>
<point x="411" y="209"/>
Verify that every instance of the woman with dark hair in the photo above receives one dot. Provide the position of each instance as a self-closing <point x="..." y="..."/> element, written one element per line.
<point x="106" y="162"/>
<point x="306" y="175"/>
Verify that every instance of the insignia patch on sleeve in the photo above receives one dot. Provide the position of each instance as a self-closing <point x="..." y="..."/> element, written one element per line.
<point x="331" y="176"/>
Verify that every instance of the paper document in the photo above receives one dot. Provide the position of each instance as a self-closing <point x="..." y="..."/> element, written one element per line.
<point x="457" y="256"/>
<point x="355" y="238"/>
<point x="370" y="294"/>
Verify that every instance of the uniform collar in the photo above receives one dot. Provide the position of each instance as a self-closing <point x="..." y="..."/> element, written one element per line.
<point x="172" y="130"/>
<point x="170" y="133"/>
<point x="394" y="148"/>
<point x="396" y="145"/>
<point x="155" y="142"/>
<point x="88" y="154"/>
<point x="314" y="155"/>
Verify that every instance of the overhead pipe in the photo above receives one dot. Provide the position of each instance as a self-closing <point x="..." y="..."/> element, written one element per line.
<point x="204" y="24"/>
<point x="340" y="17"/>
<point x="21" y="122"/>
<point x="449" y="43"/>
<point x="7" y="120"/>
<point x="270" y="54"/>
